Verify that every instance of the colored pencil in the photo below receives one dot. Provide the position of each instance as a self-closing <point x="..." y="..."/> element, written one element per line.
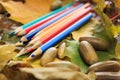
<point x="39" y="19"/>
<point x="51" y="33"/>
<point x="61" y="21"/>
<point x="59" y="37"/>
<point x="47" y="35"/>
<point x="28" y="36"/>
<point x="38" y="24"/>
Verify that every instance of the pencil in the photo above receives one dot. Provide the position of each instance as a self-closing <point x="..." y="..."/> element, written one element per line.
<point x="46" y="35"/>
<point x="59" y="37"/>
<point x="39" y="19"/>
<point x="28" y="36"/>
<point x="27" y="30"/>
<point x="59" y="22"/>
<point x="51" y="33"/>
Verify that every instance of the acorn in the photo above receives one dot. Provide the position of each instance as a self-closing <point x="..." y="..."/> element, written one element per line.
<point x="56" y="4"/>
<point x="97" y="43"/>
<point x="105" y="66"/>
<point x="48" y="56"/>
<point x="88" y="52"/>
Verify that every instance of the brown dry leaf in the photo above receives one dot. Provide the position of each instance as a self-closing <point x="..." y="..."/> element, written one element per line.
<point x="50" y="73"/>
<point x="6" y="53"/>
<point x="28" y="11"/>
<point x="86" y="30"/>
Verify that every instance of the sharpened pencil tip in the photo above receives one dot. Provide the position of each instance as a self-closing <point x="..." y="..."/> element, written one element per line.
<point x="21" y="33"/>
<point x="19" y="43"/>
<point x="11" y="34"/>
<point x="22" y="52"/>
<point x="17" y="55"/>
<point x="31" y="57"/>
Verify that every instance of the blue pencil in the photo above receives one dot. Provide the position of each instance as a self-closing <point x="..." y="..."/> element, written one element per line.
<point x="28" y="36"/>
<point x="39" y="19"/>
<point x="60" y="36"/>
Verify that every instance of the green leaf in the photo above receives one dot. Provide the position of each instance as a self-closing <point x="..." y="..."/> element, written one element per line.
<point x="72" y="52"/>
<point x="107" y="23"/>
<point x="105" y="55"/>
<point x="104" y="30"/>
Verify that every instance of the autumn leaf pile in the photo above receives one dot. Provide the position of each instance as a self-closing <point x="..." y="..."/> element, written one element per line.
<point x="32" y="9"/>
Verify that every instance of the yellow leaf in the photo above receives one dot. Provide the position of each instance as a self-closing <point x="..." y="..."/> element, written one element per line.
<point x="101" y="4"/>
<point x="115" y="30"/>
<point x="6" y="53"/>
<point x="117" y="3"/>
<point x="117" y="48"/>
<point x="86" y="30"/>
<point x="28" y="11"/>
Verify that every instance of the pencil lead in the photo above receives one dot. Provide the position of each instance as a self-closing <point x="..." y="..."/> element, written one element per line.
<point x="11" y="34"/>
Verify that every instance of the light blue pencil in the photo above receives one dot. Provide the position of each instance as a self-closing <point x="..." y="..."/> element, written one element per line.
<point x="60" y="36"/>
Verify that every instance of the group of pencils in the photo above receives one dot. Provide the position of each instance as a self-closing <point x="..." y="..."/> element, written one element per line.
<point x="46" y="31"/>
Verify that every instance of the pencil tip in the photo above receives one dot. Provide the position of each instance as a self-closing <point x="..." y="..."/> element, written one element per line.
<point x="21" y="33"/>
<point x="22" y="52"/>
<point x="18" y="55"/>
<point x="30" y="57"/>
<point x="20" y="43"/>
<point x="11" y="34"/>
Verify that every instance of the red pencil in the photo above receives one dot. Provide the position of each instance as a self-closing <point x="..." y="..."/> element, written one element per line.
<point x="45" y="38"/>
<point x="45" y="30"/>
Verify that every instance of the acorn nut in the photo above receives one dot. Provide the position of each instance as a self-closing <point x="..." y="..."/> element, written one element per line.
<point x="97" y="43"/>
<point x="48" y="56"/>
<point x="65" y="64"/>
<point x="105" y="66"/>
<point x="107" y="75"/>
<point x="88" y="52"/>
<point x="56" y="4"/>
<point x="61" y="50"/>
